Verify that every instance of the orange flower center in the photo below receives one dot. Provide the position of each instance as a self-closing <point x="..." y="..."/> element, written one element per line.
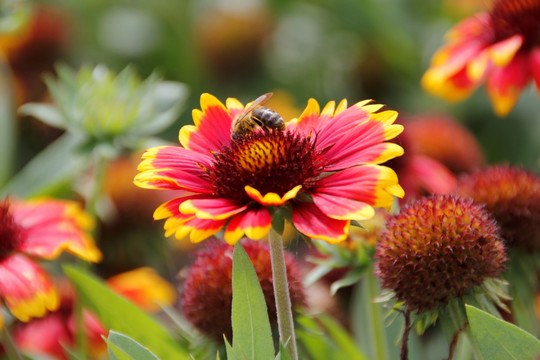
<point x="511" y="17"/>
<point x="269" y="161"/>
<point x="10" y="232"/>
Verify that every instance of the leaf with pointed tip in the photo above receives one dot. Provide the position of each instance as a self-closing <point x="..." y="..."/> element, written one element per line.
<point x="252" y="335"/>
<point x="123" y="347"/>
<point x="500" y="340"/>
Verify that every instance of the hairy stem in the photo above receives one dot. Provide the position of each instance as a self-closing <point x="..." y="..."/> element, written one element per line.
<point x="281" y="294"/>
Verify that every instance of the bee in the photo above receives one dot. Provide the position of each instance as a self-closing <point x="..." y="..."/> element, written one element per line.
<point x="256" y="116"/>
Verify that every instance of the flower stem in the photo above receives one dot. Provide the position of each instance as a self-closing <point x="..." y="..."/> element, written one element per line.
<point x="9" y="345"/>
<point x="281" y="294"/>
<point x="405" y="338"/>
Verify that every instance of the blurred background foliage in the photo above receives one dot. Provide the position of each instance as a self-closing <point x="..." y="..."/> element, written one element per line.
<point x="328" y="50"/>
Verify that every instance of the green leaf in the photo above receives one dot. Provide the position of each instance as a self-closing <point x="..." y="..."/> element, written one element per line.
<point x="7" y="123"/>
<point x="252" y="335"/>
<point x="231" y="354"/>
<point x="325" y="339"/>
<point x="119" y="314"/>
<point x="342" y="338"/>
<point x="49" y="170"/>
<point x="498" y="339"/>
<point x="123" y="347"/>
<point x="351" y="278"/>
<point x="283" y="354"/>
<point x="46" y="113"/>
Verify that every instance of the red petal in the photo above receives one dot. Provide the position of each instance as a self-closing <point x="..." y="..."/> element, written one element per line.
<point x="53" y="226"/>
<point x="311" y="221"/>
<point x="213" y="130"/>
<point x="254" y="223"/>
<point x="213" y="208"/>
<point x="44" y="337"/>
<point x="504" y="85"/>
<point x="535" y="65"/>
<point x="26" y="288"/>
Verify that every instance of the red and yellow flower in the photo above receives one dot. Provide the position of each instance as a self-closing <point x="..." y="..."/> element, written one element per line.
<point x="323" y="170"/>
<point x="38" y="229"/>
<point x="500" y="47"/>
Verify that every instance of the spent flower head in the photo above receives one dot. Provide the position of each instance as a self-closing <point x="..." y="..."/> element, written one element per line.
<point x="206" y="298"/>
<point x="512" y="195"/>
<point x="500" y="47"/>
<point x="438" y="249"/>
<point x="320" y="171"/>
<point x="108" y="109"/>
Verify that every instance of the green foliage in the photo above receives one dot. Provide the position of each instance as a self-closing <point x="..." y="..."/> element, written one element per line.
<point x="252" y="336"/>
<point x="118" y="314"/>
<point x="500" y="340"/>
<point x="112" y="111"/>
<point x="323" y="338"/>
<point x="56" y="166"/>
<point x="122" y="347"/>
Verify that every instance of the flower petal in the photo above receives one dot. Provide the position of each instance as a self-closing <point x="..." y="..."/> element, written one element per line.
<point x="199" y="229"/>
<point x="505" y="84"/>
<point x="212" y="128"/>
<point x="254" y="223"/>
<point x="144" y="287"/>
<point x="431" y="175"/>
<point x="311" y="221"/>
<point x="172" y="167"/>
<point x="44" y="337"/>
<point x="535" y="65"/>
<point x="363" y="144"/>
<point x="53" y="226"/>
<point x="213" y="208"/>
<point x="26" y="288"/>
<point x="373" y="185"/>
<point x="272" y="199"/>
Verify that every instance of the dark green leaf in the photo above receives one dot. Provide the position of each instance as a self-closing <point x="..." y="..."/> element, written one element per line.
<point x="121" y="315"/>
<point x="124" y="347"/>
<point x="252" y="335"/>
<point x="498" y="339"/>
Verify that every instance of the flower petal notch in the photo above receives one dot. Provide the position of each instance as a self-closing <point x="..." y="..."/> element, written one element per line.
<point x="237" y="180"/>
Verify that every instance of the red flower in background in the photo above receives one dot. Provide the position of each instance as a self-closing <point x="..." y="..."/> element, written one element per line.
<point x="38" y="229"/>
<point x="500" y="47"/>
<point x="437" y="148"/>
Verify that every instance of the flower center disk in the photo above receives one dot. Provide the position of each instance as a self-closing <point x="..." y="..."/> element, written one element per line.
<point x="511" y="17"/>
<point x="269" y="161"/>
<point x="10" y="232"/>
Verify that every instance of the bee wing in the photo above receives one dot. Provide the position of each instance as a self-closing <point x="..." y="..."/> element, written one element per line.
<point x="257" y="102"/>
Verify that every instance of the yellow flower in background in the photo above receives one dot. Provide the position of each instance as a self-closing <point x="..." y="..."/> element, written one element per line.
<point x="144" y="287"/>
<point x="500" y="47"/>
<point x="322" y="169"/>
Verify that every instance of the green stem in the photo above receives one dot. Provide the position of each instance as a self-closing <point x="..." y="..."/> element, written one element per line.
<point x="281" y="294"/>
<point x="97" y="185"/>
<point x="376" y="318"/>
<point x="90" y="207"/>
<point x="9" y="345"/>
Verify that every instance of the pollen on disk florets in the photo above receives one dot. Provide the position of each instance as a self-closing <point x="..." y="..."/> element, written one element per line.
<point x="512" y="195"/>
<point x="511" y="17"/>
<point x="437" y="249"/>
<point x="10" y="232"/>
<point x="269" y="161"/>
<point x="206" y="298"/>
